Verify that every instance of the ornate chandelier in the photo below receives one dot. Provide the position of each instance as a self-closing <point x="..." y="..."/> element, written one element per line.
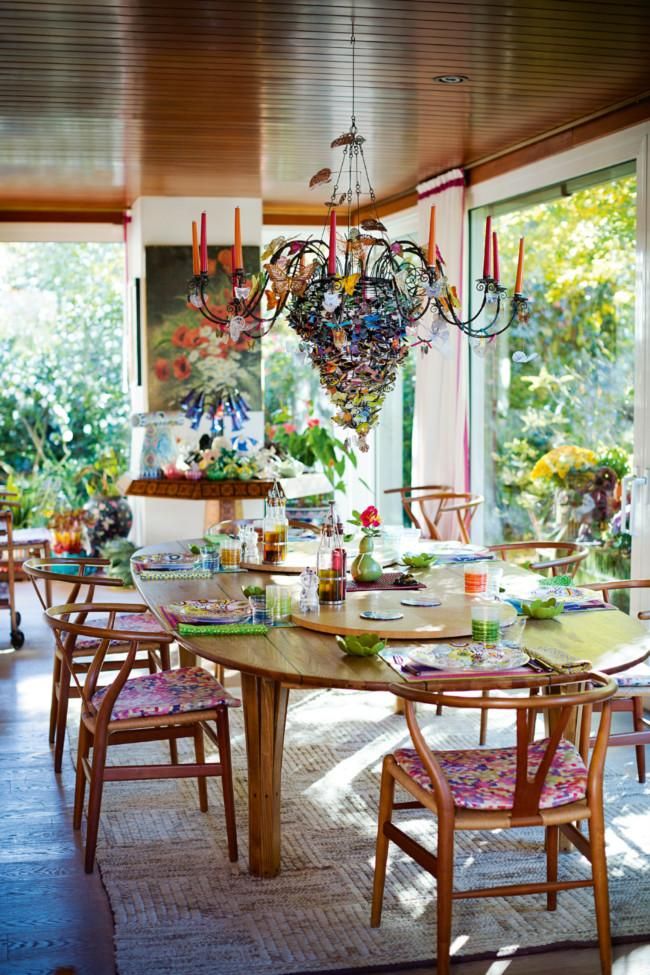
<point x="357" y="301"/>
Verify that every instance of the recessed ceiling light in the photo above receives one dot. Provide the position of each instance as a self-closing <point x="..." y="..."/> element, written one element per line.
<point x="451" y="79"/>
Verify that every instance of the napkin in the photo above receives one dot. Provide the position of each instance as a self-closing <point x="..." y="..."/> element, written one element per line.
<point x="560" y="660"/>
<point x="220" y="629"/>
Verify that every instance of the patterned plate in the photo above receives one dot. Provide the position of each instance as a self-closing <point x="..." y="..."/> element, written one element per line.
<point x="470" y="657"/>
<point x="210" y="610"/>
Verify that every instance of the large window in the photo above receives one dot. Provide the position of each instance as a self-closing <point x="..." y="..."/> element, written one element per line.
<point x="571" y="385"/>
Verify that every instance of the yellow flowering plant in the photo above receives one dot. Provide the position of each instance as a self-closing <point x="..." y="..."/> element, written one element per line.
<point x="559" y="464"/>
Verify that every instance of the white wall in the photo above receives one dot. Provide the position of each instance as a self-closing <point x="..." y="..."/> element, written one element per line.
<point x="168" y="220"/>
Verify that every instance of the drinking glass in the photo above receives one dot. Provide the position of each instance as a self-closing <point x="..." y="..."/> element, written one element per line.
<point x="486" y="620"/>
<point x="278" y="603"/>
<point x="476" y="578"/>
<point x="513" y="635"/>
<point x="493" y="581"/>
<point x="230" y="553"/>
<point x="258" y="609"/>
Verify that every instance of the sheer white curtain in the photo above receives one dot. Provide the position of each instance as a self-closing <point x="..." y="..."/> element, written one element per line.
<point x="440" y="425"/>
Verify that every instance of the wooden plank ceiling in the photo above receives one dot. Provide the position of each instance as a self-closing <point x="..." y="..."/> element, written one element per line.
<point x="102" y="101"/>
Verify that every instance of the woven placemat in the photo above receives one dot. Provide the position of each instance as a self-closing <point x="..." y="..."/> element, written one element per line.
<point x="385" y="581"/>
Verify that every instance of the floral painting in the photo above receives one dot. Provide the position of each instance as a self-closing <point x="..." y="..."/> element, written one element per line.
<point x="184" y="350"/>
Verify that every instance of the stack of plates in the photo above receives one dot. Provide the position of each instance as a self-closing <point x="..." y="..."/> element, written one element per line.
<point x="166" y="562"/>
<point x="210" y="610"/>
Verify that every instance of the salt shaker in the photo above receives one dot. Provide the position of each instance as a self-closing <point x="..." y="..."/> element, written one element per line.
<point x="308" y="591"/>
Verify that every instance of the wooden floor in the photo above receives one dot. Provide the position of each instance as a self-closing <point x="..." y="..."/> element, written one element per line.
<point x="51" y="913"/>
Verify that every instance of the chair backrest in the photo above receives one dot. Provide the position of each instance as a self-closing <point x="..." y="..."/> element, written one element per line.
<point x="616" y="585"/>
<point x="71" y="572"/>
<point x="408" y="493"/>
<point x="576" y="690"/>
<point x="69" y="621"/>
<point x="434" y="505"/>
<point x="565" y="561"/>
<point x="7" y="561"/>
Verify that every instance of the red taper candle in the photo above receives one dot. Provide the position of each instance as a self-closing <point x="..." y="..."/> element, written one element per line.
<point x="488" y="247"/>
<point x="495" y="257"/>
<point x="331" y="260"/>
<point x="204" y="243"/>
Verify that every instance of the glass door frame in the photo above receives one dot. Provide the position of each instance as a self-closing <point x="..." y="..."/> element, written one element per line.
<point x="628" y="145"/>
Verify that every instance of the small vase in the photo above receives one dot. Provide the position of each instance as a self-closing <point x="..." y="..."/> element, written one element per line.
<point x="364" y="568"/>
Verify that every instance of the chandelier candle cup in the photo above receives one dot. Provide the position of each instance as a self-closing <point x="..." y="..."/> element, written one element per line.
<point x="476" y="578"/>
<point x="230" y="554"/>
<point x="486" y="620"/>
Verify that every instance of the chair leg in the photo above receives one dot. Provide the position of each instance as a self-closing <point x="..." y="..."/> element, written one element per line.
<point x="199" y="752"/>
<point x="601" y="895"/>
<point x="56" y="676"/>
<point x="220" y="672"/>
<point x="438" y="710"/>
<point x="83" y="750"/>
<point x="151" y="661"/>
<point x="61" y="715"/>
<point x="95" y="799"/>
<point x="445" y="882"/>
<point x="223" y="734"/>
<point x="552" y="849"/>
<point x="637" y="718"/>
<point x="173" y="754"/>
<point x="386" y="797"/>
<point x="482" y="732"/>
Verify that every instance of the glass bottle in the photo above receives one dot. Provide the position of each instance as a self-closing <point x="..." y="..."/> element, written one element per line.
<point x="330" y="562"/>
<point x="275" y="528"/>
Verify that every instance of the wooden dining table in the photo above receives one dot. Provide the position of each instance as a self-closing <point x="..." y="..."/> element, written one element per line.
<point x="287" y="658"/>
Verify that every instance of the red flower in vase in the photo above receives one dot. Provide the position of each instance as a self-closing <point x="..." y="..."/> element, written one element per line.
<point x="369" y="517"/>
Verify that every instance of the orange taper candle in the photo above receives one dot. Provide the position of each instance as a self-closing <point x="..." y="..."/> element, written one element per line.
<point x="196" y="265"/>
<point x="431" y="250"/>
<point x="239" y="254"/>
<point x="331" y="258"/>
<point x="520" y="268"/>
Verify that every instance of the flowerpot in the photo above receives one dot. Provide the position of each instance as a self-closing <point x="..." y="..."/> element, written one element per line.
<point x="365" y="568"/>
<point x="112" y="518"/>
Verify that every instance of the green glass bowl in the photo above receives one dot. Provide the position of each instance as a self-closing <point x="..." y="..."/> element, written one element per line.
<point x="543" y="609"/>
<point x="361" y="645"/>
<point x="420" y="561"/>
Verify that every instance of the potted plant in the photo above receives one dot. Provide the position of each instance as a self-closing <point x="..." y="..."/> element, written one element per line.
<point x="108" y="510"/>
<point x="364" y="567"/>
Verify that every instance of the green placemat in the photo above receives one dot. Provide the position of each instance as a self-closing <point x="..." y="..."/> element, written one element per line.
<point x="223" y="629"/>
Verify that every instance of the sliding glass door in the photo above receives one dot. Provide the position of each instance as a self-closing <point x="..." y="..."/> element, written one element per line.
<point x="553" y="400"/>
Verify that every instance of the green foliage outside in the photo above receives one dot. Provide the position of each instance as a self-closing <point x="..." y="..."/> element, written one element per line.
<point x="580" y="275"/>
<point x="63" y="410"/>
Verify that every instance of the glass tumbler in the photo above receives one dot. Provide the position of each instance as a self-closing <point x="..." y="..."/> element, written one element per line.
<point x="278" y="604"/>
<point x="230" y="554"/>
<point x="486" y="623"/>
<point x="476" y="578"/>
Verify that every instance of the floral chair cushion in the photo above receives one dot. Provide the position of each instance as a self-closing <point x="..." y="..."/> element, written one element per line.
<point x="634" y="678"/>
<point x="168" y="692"/>
<point x="135" y="622"/>
<point x="485" y="778"/>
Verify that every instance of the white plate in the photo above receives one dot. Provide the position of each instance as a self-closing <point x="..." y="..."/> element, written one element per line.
<point x="449" y="657"/>
<point x="420" y="601"/>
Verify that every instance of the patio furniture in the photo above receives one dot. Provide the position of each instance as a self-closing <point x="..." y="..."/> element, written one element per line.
<point x="434" y="505"/>
<point x="7" y="587"/>
<point x="165" y="705"/>
<point x="25" y="542"/>
<point x="565" y="559"/>
<point x="548" y="783"/>
<point x="410" y="491"/>
<point x="83" y="576"/>
<point x="272" y="663"/>
<point x="633" y="684"/>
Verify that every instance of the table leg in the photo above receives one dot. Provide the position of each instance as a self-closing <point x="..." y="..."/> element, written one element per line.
<point x="572" y="733"/>
<point x="265" y="713"/>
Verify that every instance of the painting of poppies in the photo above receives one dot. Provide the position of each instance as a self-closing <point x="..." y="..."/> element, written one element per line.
<point x="184" y="351"/>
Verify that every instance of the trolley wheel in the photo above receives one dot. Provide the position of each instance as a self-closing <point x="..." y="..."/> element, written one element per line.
<point x="17" y="639"/>
<point x="18" y="618"/>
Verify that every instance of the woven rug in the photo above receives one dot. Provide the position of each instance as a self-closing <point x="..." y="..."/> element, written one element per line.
<point x="180" y="907"/>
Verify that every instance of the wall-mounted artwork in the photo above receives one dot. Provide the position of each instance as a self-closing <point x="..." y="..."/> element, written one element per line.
<point x="184" y="351"/>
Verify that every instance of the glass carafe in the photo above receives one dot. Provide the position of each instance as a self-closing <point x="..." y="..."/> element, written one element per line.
<point x="330" y="563"/>
<point x="275" y="528"/>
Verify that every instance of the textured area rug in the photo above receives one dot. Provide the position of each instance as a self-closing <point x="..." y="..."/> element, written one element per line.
<point x="180" y="907"/>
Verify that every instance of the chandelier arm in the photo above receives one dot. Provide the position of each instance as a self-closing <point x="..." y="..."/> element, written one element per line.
<point x="475" y="333"/>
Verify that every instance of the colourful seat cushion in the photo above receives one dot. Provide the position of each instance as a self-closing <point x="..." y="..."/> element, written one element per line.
<point x="167" y="692"/>
<point x="485" y="778"/>
<point x="135" y="622"/>
<point x="633" y="678"/>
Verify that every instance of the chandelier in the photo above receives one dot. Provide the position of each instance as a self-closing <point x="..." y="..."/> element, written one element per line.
<point x="357" y="300"/>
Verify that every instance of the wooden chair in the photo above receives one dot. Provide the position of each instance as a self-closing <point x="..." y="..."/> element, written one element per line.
<point x="633" y="684"/>
<point x="410" y="492"/>
<point x="153" y="651"/>
<point x="166" y="705"/>
<point x="25" y="543"/>
<point x="565" y="561"/>
<point x="462" y="504"/>
<point x="504" y="788"/>
<point x="8" y="586"/>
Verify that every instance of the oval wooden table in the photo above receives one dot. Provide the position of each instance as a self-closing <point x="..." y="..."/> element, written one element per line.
<point x="286" y="658"/>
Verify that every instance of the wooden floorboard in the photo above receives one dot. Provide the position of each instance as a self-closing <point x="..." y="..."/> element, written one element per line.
<point x="51" y="913"/>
